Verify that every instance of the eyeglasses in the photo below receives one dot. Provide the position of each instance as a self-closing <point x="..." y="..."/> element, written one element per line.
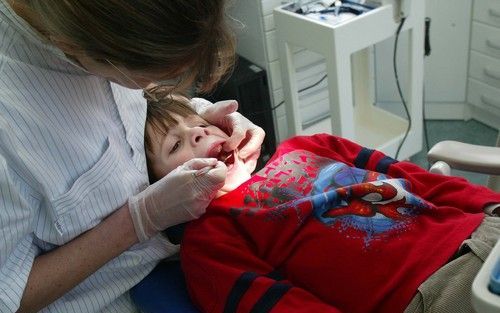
<point x="162" y="89"/>
<point x="132" y="81"/>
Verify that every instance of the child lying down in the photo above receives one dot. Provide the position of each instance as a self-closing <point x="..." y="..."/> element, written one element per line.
<point x="325" y="226"/>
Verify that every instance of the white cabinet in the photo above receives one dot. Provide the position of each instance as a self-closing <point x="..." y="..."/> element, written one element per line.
<point x="450" y="83"/>
<point x="257" y="43"/>
<point x="345" y="43"/>
<point x="484" y="63"/>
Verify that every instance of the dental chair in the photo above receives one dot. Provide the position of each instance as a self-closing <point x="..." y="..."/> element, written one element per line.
<point x="164" y="289"/>
<point x="447" y="155"/>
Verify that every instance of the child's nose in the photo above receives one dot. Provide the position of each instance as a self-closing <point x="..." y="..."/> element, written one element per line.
<point x="198" y="133"/>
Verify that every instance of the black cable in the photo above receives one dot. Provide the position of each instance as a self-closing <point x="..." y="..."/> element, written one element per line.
<point x="282" y="102"/>
<point x="427" y="52"/>
<point x="405" y="106"/>
<point x="426" y="135"/>
<point x="315" y="84"/>
<point x="427" y="42"/>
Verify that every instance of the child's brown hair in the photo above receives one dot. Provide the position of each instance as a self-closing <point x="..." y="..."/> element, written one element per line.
<point x="161" y="103"/>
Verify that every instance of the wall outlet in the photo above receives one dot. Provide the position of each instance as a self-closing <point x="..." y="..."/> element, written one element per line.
<point x="404" y="8"/>
<point x="401" y="8"/>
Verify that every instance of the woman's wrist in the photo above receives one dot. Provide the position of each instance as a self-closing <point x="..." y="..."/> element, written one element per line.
<point x="120" y="224"/>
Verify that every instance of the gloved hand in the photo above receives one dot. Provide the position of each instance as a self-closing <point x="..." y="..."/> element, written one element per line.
<point x="244" y="135"/>
<point x="180" y="196"/>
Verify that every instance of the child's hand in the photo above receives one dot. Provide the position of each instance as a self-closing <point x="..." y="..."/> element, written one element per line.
<point x="180" y="196"/>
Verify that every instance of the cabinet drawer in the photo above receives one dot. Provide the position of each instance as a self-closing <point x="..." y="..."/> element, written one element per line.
<point x="483" y="95"/>
<point x="486" y="39"/>
<point x="487" y="11"/>
<point x="307" y="64"/>
<point x="485" y="68"/>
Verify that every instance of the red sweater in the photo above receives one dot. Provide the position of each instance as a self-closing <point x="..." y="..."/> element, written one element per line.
<point x="328" y="226"/>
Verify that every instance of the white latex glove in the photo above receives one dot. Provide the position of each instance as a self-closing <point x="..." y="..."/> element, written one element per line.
<point x="178" y="197"/>
<point x="244" y="135"/>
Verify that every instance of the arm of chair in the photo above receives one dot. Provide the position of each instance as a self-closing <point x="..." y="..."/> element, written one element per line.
<point x="467" y="157"/>
<point x="481" y="159"/>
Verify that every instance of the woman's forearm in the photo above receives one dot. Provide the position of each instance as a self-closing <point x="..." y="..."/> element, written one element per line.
<point x="58" y="271"/>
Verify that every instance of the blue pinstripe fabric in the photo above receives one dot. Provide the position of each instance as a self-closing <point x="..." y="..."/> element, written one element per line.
<point x="71" y="152"/>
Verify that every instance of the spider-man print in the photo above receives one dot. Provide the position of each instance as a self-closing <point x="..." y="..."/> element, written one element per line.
<point x="370" y="202"/>
<point x="341" y="196"/>
<point x="356" y="205"/>
<point x="352" y="191"/>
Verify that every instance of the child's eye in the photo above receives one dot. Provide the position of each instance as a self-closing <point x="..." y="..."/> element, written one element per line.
<point x="175" y="147"/>
<point x="203" y="125"/>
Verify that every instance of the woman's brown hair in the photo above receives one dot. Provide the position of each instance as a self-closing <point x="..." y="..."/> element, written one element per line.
<point x="160" y="36"/>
